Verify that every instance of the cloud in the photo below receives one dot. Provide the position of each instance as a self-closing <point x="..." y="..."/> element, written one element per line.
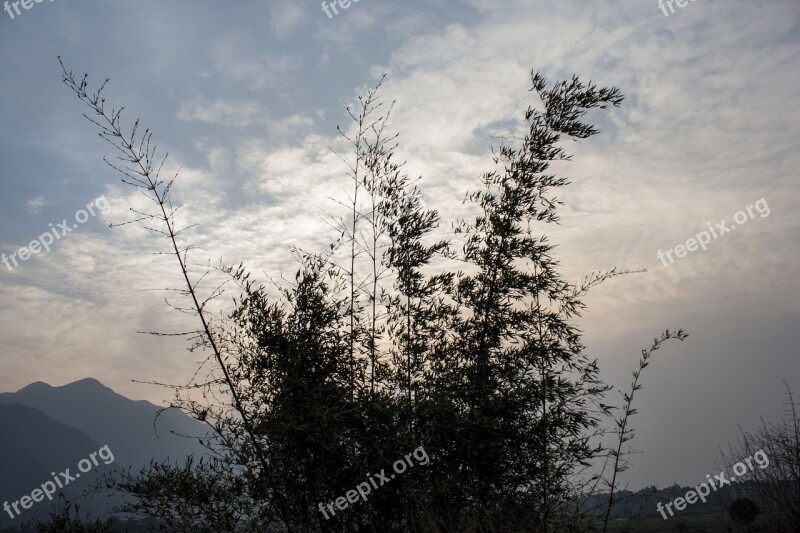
<point x="237" y="57"/>
<point x="34" y="205"/>
<point x="705" y="130"/>
<point x="285" y="18"/>
<point x="235" y="113"/>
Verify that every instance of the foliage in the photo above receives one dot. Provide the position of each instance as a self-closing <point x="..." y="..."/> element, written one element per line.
<point x="776" y="487"/>
<point x="67" y="519"/>
<point x="744" y="511"/>
<point x="391" y="340"/>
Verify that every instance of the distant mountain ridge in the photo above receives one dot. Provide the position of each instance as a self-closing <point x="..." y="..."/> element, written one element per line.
<point x="47" y="429"/>
<point x="27" y="450"/>
<point x="129" y="427"/>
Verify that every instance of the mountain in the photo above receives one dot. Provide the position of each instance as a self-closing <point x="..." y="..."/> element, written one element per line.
<point x="34" y="447"/>
<point x="130" y="428"/>
<point x="26" y="446"/>
<point x="46" y="429"/>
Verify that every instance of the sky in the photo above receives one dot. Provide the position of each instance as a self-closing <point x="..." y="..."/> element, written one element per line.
<point x="246" y="97"/>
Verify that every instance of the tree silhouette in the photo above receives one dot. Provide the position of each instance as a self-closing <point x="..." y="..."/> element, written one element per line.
<point x="744" y="511"/>
<point x="391" y="340"/>
<point x="775" y="481"/>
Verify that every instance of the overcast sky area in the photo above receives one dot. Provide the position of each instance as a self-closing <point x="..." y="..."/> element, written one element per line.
<point x="246" y="96"/>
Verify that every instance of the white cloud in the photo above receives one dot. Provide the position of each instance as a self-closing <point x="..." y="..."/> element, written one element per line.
<point x="286" y="17"/>
<point x="223" y="113"/>
<point x="706" y="130"/>
<point x="34" y="205"/>
<point x="238" y="57"/>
